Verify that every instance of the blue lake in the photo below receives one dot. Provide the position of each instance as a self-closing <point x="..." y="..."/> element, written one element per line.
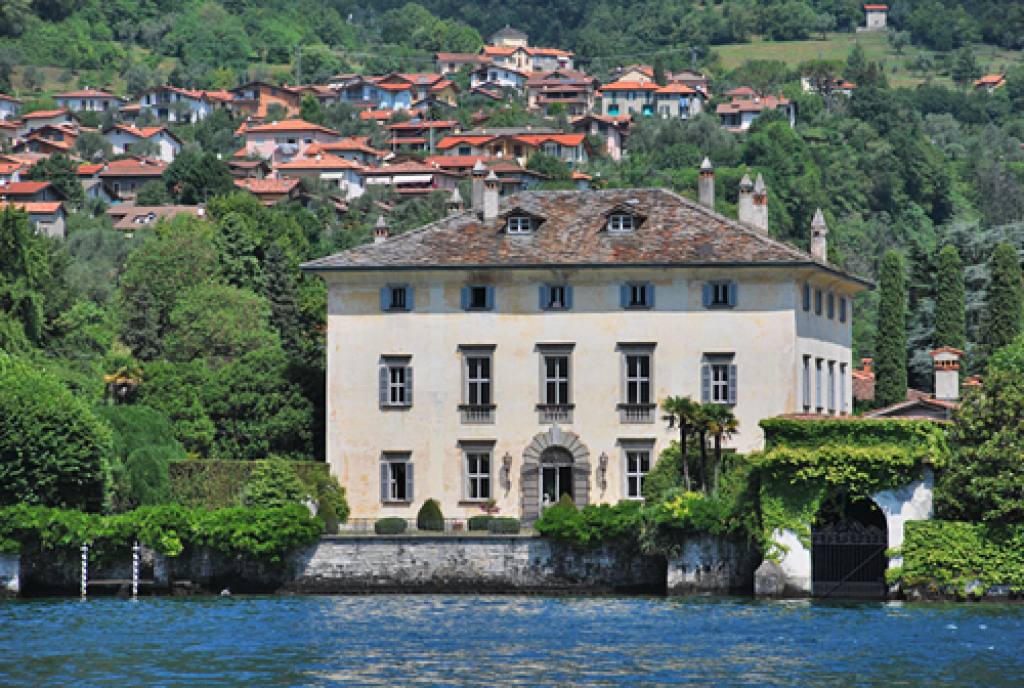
<point x="487" y="641"/>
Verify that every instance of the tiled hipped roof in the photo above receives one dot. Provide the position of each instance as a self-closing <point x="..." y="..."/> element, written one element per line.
<point x="572" y="232"/>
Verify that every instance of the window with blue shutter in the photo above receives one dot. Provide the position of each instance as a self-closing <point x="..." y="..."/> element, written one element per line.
<point x="478" y="298"/>
<point x="720" y="294"/>
<point x="396" y="481"/>
<point x="555" y="297"/>
<point x="718" y="379"/>
<point x="637" y="295"/>
<point x="395" y="382"/>
<point x="817" y="301"/>
<point x="396" y="297"/>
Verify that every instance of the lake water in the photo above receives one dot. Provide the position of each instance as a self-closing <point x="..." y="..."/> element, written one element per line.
<point x="488" y="641"/>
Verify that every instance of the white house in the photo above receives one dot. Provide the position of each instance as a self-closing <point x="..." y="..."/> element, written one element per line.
<point x="172" y="104"/>
<point x="542" y="331"/>
<point x="333" y="169"/>
<point x="88" y="100"/>
<point x="9" y="106"/>
<point x="875" y="17"/>
<point x="127" y="140"/>
<point x="284" y="140"/>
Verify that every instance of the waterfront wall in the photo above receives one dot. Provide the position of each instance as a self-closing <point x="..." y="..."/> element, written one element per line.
<point x="712" y="565"/>
<point x="10" y="575"/>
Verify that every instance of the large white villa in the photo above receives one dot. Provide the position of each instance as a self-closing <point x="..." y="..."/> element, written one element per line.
<point x="518" y="350"/>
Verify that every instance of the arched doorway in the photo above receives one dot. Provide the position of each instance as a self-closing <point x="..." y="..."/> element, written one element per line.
<point x="555" y="462"/>
<point x="848" y="543"/>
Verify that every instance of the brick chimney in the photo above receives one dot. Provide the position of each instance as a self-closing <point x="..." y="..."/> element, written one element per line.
<point x="947" y="373"/>
<point x="490" y="209"/>
<point x="380" y="230"/>
<point x="706" y="184"/>
<point x="819" y="237"/>
<point x="478" y="173"/>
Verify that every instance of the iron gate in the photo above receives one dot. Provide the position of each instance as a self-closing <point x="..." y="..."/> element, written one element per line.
<point x="848" y="560"/>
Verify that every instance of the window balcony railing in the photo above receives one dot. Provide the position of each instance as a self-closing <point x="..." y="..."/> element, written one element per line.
<point x="477" y="414"/>
<point x="636" y="413"/>
<point x="555" y="413"/>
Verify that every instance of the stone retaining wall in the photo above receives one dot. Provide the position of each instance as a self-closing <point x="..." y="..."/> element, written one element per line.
<point x="10" y="575"/>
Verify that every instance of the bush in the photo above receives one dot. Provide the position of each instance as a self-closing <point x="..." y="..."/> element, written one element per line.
<point x="274" y="483"/>
<point x="146" y="473"/>
<point x="391" y="525"/>
<point x="144" y="448"/>
<point x="430" y="516"/>
<point x="503" y="525"/>
<point x="593" y="525"/>
<point x="480" y="522"/>
<point x="216" y="484"/>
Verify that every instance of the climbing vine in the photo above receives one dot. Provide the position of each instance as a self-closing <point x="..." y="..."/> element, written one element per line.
<point x="960" y="557"/>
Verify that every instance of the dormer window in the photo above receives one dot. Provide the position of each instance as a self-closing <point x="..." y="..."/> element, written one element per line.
<point x="621" y="223"/>
<point x="519" y="224"/>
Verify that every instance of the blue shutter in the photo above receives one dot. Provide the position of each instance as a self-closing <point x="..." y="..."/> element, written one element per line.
<point x="705" y="383"/>
<point x="707" y="294"/>
<point x="624" y="295"/>
<point x="490" y="298"/>
<point x="385" y="298"/>
<point x="465" y="298"/>
<point x="383" y="385"/>
<point x="408" y="385"/>
<point x="732" y="294"/>
<point x="807" y="297"/>
<point x="545" y="297"/>
<point x="408" y="481"/>
<point x="410" y="301"/>
<point x="568" y="297"/>
<point x="384" y="481"/>
<point x="732" y="384"/>
<point x="650" y="295"/>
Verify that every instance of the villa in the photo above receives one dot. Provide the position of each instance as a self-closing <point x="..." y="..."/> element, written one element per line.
<point x="544" y="328"/>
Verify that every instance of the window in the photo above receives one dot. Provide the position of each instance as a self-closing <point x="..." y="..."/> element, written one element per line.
<point x="555" y="297"/>
<point x="637" y="459"/>
<point x="831" y="386"/>
<point x="613" y="109"/>
<point x="807" y="383"/>
<point x="831" y="306"/>
<point x="555" y="383"/>
<point x="637" y="364"/>
<point x="396" y="477"/>
<point x="807" y="297"/>
<point x="519" y="224"/>
<point x="556" y="379"/>
<point x="477" y="384"/>
<point x="477" y="298"/>
<point x="465" y="150"/>
<point x="842" y="388"/>
<point x="719" y="294"/>
<point x="817" y="301"/>
<point x="396" y="298"/>
<point x="477" y="461"/>
<point x="395" y="382"/>
<point x="718" y="379"/>
<point x="818" y="401"/>
<point x="637" y="295"/>
<point x="842" y="309"/>
<point x="620" y="222"/>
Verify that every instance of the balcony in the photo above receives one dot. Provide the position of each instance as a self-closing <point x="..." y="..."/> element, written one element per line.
<point x="636" y="413"/>
<point x="477" y="414"/>
<point x="555" y="413"/>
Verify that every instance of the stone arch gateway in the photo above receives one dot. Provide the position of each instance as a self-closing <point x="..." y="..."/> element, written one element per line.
<point x="555" y="462"/>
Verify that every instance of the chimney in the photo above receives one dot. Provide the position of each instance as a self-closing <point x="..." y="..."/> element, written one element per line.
<point x="760" y="217"/>
<point x="947" y="373"/>
<point x="455" y="204"/>
<point x="477" y="193"/>
<point x="819" y="237"/>
<point x="867" y="365"/>
<point x="380" y="230"/>
<point x="490" y="208"/>
<point x="745" y="202"/>
<point x="706" y="184"/>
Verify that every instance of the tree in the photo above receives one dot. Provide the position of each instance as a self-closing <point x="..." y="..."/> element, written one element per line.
<point x="195" y="177"/>
<point x="984" y="480"/>
<point x="274" y="483"/>
<point x="32" y="78"/>
<point x="659" y="71"/>
<point x="891" y="344"/>
<point x="965" y="67"/>
<point x="217" y="323"/>
<point x="950" y="322"/>
<point x="823" y="23"/>
<point x="153" y="192"/>
<point x="1001" y="322"/>
<point x="53" y="449"/>
<point x="23" y="270"/>
<point x="92" y="145"/>
<point x="550" y="166"/>
<point x="722" y="423"/>
<point x="683" y="412"/>
<point x="311" y="110"/>
<point x="60" y="171"/>
<point x="764" y="76"/>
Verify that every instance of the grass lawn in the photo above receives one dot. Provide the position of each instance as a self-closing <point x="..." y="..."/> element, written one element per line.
<point x="876" y="47"/>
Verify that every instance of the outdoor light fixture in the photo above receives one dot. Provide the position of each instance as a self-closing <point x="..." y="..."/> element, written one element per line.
<point x="602" y="469"/>
<point x="506" y="471"/>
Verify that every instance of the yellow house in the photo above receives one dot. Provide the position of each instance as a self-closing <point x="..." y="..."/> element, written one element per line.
<point x="543" y="329"/>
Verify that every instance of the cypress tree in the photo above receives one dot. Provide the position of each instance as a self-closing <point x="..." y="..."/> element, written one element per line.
<point x="891" y="342"/>
<point x="950" y="322"/>
<point x="1003" y="300"/>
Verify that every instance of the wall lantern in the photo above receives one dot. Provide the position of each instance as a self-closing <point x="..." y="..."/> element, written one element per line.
<point x="506" y="471"/>
<point x="602" y="470"/>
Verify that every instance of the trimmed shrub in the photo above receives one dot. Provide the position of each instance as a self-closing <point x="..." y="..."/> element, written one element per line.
<point x="391" y="525"/>
<point x="480" y="522"/>
<point x="274" y="483"/>
<point x="430" y="516"/>
<point x="504" y="525"/>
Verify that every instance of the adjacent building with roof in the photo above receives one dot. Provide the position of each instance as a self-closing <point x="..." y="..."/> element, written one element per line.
<point x="46" y="217"/>
<point x="516" y="351"/>
<point x="271" y="191"/>
<point x="572" y="92"/>
<point x="334" y="170"/>
<point x="875" y="17"/>
<point x="129" y="218"/>
<point x="180" y="105"/>
<point x="741" y="111"/>
<point x="282" y="141"/>
<point x="517" y="144"/>
<point x="9" y="107"/>
<point x="990" y="82"/>
<point x="122" y="179"/>
<point x="126" y="139"/>
<point x="648" y="99"/>
<point x="88" y="100"/>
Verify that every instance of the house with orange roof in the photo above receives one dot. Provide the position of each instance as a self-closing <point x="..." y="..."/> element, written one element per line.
<point x="41" y="118"/>
<point x="179" y="105"/>
<point x="46" y="217"/>
<point x="450" y="63"/>
<point x="88" y="100"/>
<point x="331" y="169"/>
<point x="527" y="58"/>
<point x="740" y="112"/>
<point x="642" y="73"/>
<point x="271" y="191"/>
<point x="254" y="98"/>
<point x="30" y="192"/>
<point x="410" y="178"/>
<point x="493" y="75"/>
<point x="285" y="140"/>
<point x="10" y="172"/>
<point x="354" y="148"/>
<point x="126" y="139"/>
<point x="990" y="82"/>
<point x="122" y="179"/>
<point x="572" y="91"/>
<point x="509" y="37"/>
<point x="9" y="106"/>
<point x="403" y="91"/>
<point x="89" y="178"/>
<point x="419" y="134"/>
<point x="875" y="17"/>
<point x="51" y="139"/>
<point x="517" y="144"/>
<point x="614" y="131"/>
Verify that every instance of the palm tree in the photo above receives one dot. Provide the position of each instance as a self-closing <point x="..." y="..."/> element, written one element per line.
<point x="682" y="410"/>
<point x="702" y="427"/>
<point x="721" y="423"/>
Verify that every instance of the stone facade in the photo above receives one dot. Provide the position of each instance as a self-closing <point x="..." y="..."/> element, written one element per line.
<point x="712" y="565"/>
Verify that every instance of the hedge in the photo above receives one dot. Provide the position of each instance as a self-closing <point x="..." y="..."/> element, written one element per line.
<point x="480" y="522"/>
<point x="961" y="555"/>
<point x="216" y="484"/>
<point x="922" y="436"/>
<point x="503" y="525"/>
<point x="391" y="525"/>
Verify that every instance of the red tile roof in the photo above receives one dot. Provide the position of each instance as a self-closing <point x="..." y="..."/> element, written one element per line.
<point x="134" y="167"/>
<point x="755" y="105"/>
<point x="35" y="207"/>
<point x="319" y="162"/>
<point x="267" y="186"/>
<point x="87" y="93"/>
<point x="45" y="114"/>
<point x="285" y="125"/>
<point x="89" y="170"/>
<point x="990" y="80"/>
<point x="379" y="115"/>
<point x="630" y="86"/>
<point x="876" y="8"/>
<point x="12" y="99"/>
<point x="23" y="188"/>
